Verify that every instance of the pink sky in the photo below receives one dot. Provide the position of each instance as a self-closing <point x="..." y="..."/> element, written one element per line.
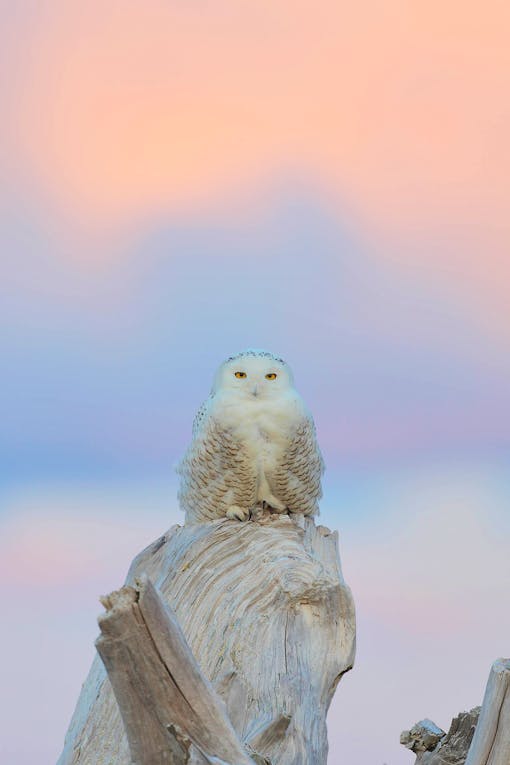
<point x="330" y="180"/>
<point x="399" y="111"/>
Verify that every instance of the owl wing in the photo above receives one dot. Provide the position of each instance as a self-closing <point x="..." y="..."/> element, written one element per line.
<point x="200" y="416"/>
<point x="216" y="472"/>
<point x="297" y="478"/>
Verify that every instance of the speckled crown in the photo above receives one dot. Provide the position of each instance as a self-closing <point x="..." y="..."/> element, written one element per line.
<point x="258" y="353"/>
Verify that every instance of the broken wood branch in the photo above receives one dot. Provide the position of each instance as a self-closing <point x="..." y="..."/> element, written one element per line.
<point x="158" y="684"/>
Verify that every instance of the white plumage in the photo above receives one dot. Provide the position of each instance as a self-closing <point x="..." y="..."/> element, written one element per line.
<point x="253" y="445"/>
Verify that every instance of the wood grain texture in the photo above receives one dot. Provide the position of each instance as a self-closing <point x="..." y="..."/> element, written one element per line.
<point x="265" y="611"/>
<point x="491" y="742"/>
<point x="165" y="702"/>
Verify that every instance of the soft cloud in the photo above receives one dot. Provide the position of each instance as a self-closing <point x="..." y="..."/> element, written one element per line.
<point x="72" y="536"/>
<point x="399" y="111"/>
<point x="398" y="98"/>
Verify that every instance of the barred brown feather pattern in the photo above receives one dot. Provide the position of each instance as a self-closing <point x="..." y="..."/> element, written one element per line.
<point x="297" y="478"/>
<point x="216" y="473"/>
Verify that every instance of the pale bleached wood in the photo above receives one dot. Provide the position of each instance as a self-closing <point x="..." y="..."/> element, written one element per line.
<point x="158" y="684"/>
<point x="266" y="613"/>
<point x="138" y="679"/>
<point x="491" y="742"/>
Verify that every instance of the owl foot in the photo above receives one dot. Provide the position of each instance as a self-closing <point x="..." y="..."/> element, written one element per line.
<point x="235" y="512"/>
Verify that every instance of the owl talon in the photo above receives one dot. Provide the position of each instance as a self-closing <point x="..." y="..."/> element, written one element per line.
<point x="237" y="513"/>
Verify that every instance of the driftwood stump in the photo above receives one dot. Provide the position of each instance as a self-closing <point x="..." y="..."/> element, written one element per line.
<point x="231" y="657"/>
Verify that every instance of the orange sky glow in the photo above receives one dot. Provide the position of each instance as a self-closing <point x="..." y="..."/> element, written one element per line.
<point x="399" y="110"/>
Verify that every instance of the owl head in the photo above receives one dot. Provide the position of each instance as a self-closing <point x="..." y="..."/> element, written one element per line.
<point x="254" y="374"/>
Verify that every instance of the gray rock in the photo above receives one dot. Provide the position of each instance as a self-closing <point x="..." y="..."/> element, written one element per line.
<point x="423" y="737"/>
<point x="433" y="746"/>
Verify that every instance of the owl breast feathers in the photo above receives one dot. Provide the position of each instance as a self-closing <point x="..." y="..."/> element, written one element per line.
<point x="253" y="445"/>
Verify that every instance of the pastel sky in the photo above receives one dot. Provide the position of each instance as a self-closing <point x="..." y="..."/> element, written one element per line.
<point x="331" y="181"/>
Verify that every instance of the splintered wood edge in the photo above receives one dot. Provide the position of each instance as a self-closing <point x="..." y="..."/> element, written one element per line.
<point x="501" y="666"/>
<point x="118" y="600"/>
<point x="125" y="597"/>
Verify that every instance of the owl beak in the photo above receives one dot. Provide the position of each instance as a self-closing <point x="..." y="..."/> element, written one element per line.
<point x="255" y="390"/>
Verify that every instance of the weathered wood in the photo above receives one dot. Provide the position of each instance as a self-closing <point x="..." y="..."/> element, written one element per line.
<point x="138" y="680"/>
<point x="158" y="685"/>
<point x="270" y="621"/>
<point x="491" y="742"/>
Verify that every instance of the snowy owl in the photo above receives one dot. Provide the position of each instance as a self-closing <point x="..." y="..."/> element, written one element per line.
<point x="253" y="445"/>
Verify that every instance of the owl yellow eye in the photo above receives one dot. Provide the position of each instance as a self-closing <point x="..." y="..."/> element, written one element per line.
<point x="239" y="375"/>
<point x="271" y="376"/>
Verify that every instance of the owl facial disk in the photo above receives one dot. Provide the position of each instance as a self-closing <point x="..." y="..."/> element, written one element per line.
<point x="254" y="375"/>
